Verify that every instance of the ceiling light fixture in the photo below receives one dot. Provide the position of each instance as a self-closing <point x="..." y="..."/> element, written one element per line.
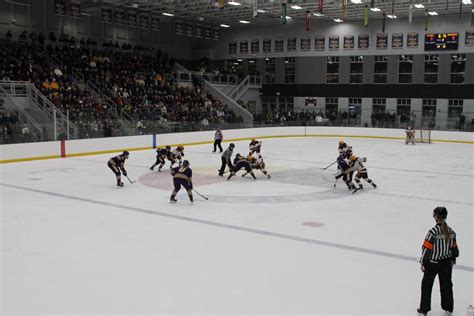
<point x="419" y="6"/>
<point x="466" y="2"/>
<point x="261" y="11"/>
<point x="296" y="7"/>
<point x="287" y="17"/>
<point x="318" y="14"/>
<point x="244" y="22"/>
<point x="391" y="16"/>
<point x="224" y="25"/>
<point x="356" y="1"/>
<point x="375" y="9"/>
<point x="234" y="3"/>
<point x="338" y="20"/>
<point x="433" y="13"/>
<point x="167" y="14"/>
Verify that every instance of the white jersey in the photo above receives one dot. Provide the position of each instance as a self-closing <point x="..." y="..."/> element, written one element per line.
<point x="358" y="166"/>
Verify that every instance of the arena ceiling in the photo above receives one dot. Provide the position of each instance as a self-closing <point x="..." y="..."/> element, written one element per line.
<point x="270" y="11"/>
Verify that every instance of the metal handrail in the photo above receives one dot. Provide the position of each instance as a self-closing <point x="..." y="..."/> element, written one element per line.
<point x="12" y="87"/>
<point x="110" y="103"/>
<point x="52" y="111"/>
<point x="234" y="106"/>
<point x="29" y="120"/>
<point x="237" y="89"/>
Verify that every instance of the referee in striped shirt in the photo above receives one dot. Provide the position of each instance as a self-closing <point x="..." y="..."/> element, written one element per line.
<point x="438" y="258"/>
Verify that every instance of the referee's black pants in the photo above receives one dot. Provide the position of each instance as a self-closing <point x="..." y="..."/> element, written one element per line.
<point x="218" y="142"/>
<point x="224" y="163"/>
<point x="443" y="269"/>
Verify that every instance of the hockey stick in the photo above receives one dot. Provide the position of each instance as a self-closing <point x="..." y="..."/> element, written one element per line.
<point x="201" y="195"/>
<point x="329" y="165"/>
<point x="131" y="180"/>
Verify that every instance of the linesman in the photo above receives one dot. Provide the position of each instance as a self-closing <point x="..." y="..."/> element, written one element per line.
<point x="439" y="253"/>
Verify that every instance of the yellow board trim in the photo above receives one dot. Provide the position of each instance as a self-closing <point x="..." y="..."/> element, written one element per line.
<point x="101" y="152"/>
<point x="30" y="159"/>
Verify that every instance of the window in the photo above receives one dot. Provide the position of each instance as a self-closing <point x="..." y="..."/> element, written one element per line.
<point x="332" y="70"/>
<point x="380" y="69"/>
<point x="355" y="106"/>
<point x="331" y="106"/>
<point x="357" y="66"/>
<point x="379" y="105"/>
<point x="431" y="68"/>
<point x="455" y="108"/>
<point x="458" y="66"/>
<point x="429" y="108"/>
<point x="290" y="69"/>
<point x="285" y="104"/>
<point x="404" y="110"/>
<point x="269" y="70"/>
<point x="268" y="104"/>
<point x="252" y="66"/>
<point x="405" y="68"/>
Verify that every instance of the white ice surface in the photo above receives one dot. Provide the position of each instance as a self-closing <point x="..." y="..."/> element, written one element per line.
<point x="74" y="243"/>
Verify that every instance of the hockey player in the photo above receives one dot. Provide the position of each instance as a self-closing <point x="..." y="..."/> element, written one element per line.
<point x="241" y="163"/>
<point x="116" y="164"/>
<point x="182" y="176"/>
<point x="176" y="155"/>
<point x="226" y="159"/>
<point x="410" y="136"/>
<point x="344" y="149"/>
<point x="345" y="173"/>
<point x="357" y="164"/>
<point x="255" y="146"/>
<point x="161" y="155"/>
<point x="257" y="163"/>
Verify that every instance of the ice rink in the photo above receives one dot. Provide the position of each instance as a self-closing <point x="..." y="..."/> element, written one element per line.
<point x="74" y="243"/>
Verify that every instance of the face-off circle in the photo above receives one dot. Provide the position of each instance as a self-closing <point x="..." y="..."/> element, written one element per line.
<point x="163" y="181"/>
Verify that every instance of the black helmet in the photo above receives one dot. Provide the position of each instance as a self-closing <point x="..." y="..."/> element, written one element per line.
<point x="185" y="163"/>
<point x="232" y="145"/>
<point x="168" y="147"/>
<point x="125" y="154"/>
<point x="440" y="212"/>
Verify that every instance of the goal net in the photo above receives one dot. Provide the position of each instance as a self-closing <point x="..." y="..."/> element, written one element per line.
<point x="423" y="136"/>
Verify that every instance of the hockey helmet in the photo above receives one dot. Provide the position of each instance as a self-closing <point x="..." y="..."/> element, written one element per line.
<point x="440" y="212"/>
<point x="126" y="154"/>
<point x="353" y="158"/>
<point x="185" y="163"/>
<point x="168" y="147"/>
<point x="341" y="142"/>
<point x="231" y="145"/>
<point x="180" y="148"/>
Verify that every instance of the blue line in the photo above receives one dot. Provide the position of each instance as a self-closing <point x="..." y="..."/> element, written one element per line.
<point x="154" y="140"/>
<point x="238" y="228"/>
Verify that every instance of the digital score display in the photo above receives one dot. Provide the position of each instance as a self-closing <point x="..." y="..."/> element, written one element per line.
<point x="442" y="41"/>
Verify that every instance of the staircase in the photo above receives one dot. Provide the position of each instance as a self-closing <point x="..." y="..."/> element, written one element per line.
<point x="126" y="121"/>
<point x="57" y="125"/>
<point x="249" y="82"/>
<point x="232" y="104"/>
<point x="10" y="104"/>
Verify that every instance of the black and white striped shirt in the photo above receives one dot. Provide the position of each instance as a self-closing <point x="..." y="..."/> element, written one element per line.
<point x="437" y="247"/>
<point x="227" y="155"/>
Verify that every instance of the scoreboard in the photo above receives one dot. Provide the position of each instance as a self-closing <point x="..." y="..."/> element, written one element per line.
<point x="442" y="41"/>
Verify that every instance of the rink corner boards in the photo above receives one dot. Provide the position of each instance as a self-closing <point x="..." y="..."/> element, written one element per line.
<point x="64" y="154"/>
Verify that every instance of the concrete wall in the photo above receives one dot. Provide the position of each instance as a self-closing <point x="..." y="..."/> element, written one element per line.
<point x="33" y="151"/>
